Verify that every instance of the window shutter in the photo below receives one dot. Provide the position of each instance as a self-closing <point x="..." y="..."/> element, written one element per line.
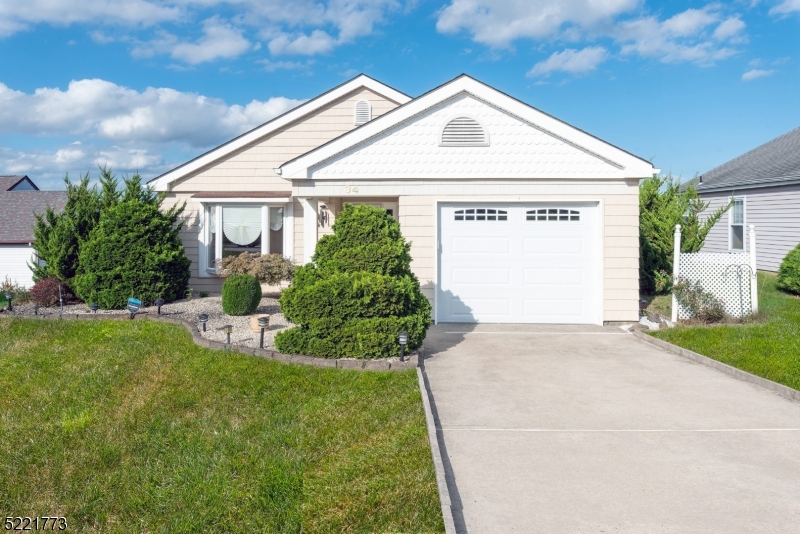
<point x="464" y="131"/>
<point x="363" y="112"/>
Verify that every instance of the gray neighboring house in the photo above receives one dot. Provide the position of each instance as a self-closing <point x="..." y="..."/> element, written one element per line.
<point x="20" y="199"/>
<point x="765" y="186"/>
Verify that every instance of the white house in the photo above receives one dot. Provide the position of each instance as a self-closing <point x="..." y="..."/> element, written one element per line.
<point x="514" y="216"/>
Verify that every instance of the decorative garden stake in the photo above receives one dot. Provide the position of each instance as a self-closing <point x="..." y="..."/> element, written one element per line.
<point x="133" y="306"/>
<point x="93" y="306"/>
<point x="263" y="323"/>
<point x="203" y="318"/>
<point x="402" y="338"/>
<point x="159" y="302"/>
<point x="60" y="300"/>
<point x="8" y="298"/>
<point x="228" y="329"/>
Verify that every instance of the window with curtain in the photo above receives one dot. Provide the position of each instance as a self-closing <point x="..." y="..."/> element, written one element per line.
<point x="737" y="224"/>
<point x="241" y="231"/>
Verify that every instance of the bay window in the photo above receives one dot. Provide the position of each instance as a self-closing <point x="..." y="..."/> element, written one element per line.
<point x="231" y="229"/>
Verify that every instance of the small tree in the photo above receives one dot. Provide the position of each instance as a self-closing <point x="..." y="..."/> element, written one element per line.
<point x="358" y="293"/>
<point x="662" y="205"/>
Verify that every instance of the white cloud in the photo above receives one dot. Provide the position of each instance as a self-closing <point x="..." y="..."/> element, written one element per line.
<point x="785" y="7"/>
<point x="570" y="60"/>
<point x="729" y="28"/>
<point x="317" y="43"/>
<point x="155" y="116"/>
<point x="18" y="15"/>
<point x="497" y="23"/>
<point x="219" y="40"/>
<point x="272" y="66"/>
<point x="754" y="74"/>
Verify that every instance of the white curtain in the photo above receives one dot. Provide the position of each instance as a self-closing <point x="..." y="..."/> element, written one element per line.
<point x="241" y="225"/>
<point x="275" y="219"/>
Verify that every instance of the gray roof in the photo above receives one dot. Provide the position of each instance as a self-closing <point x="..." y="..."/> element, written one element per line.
<point x="7" y="182"/>
<point x="17" y="209"/>
<point x="775" y="163"/>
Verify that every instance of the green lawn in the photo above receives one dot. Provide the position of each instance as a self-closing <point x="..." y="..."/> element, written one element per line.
<point x="769" y="348"/>
<point x="129" y="427"/>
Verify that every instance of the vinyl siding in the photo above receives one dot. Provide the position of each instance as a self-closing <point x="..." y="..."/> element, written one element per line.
<point x="775" y="213"/>
<point x="14" y="264"/>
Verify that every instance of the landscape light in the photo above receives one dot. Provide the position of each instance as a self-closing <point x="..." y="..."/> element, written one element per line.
<point x="203" y="318"/>
<point x="228" y="329"/>
<point x="8" y="298"/>
<point x="402" y="338"/>
<point x="159" y="302"/>
<point x="263" y="323"/>
<point x="94" y="307"/>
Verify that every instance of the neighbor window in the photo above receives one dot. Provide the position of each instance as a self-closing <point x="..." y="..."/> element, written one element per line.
<point x="737" y="224"/>
<point x="242" y="229"/>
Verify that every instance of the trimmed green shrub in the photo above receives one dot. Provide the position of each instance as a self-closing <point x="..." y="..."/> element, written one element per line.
<point x="789" y="272"/>
<point x="241" y="294"/>
<point x="134" y="251"/>
<point x="358" y="294"/>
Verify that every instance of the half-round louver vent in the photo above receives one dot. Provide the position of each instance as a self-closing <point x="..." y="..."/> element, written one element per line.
<point x="464" y="131"/>
<point x="363" y="112"/>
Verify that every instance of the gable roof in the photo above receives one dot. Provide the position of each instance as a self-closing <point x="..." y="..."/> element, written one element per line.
<point x="17" y="210"/>
<point x="776" y="162"/>
<point x="631" y="166"/>
<point x="161" y="183"/>
<point x="7" y="183"/>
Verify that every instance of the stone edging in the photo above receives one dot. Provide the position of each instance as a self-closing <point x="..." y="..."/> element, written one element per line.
<point x="411" y="361"/>
<point x="738" y="374"/>
<point x="438" y="464"/>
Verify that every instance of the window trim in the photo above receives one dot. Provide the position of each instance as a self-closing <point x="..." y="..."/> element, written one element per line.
<point x="743" y="224"/>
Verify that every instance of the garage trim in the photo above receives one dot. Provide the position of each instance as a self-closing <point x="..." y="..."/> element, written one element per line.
<point x="600" y="274"/>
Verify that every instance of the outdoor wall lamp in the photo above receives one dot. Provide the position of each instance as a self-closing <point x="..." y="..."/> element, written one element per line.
<point x="203" y="318"/>
<point x="263" y="323"/>
<point x="94" y="307"/>
<point x="159" y="302"/>
<point x="133" y="306"/>
<point x="402" y="338"/>
<point x="8" y="298"/>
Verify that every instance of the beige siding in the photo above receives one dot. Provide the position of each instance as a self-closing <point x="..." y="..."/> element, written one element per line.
<point x="775" y="212"/>
<point x="251" y="168"/>
<point x="417" y="216"/>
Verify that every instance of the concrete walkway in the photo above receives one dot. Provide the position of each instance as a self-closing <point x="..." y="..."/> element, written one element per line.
<point x="588" y="429"/>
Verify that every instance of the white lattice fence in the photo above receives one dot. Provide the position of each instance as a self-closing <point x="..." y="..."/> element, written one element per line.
<point x="730" y="277"/>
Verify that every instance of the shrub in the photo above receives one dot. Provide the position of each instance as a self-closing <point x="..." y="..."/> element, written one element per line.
<point x="703" y="305"/>
<point x="241" y="294"/>
<point x="45" y="292"/>
<point x="134" y="251"/>
<point x="789" y="272"/>
<point x="270" y="269"/>
<point x="19" y="294"/>
<point x="358" y="294"/>
<point x="203" y="294"/>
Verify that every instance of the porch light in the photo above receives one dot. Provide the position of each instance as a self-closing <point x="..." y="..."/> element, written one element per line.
<point x="402" y="338"/>
<point x="94" y="307"/>
<point x="263" y="323"/>
<point x="159" y="302"/>
<point x="203" y="318"/>
<point x="133" y="306"/>
<point x="228" y="328"/>
<point x="8" y="298"/>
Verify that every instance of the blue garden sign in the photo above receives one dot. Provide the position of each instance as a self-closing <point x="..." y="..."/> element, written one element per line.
<point x="133" y="306"/>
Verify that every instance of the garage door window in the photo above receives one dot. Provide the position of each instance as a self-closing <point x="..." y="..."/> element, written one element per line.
<point x="481" y="214"/>
<point x="553" y="214"/>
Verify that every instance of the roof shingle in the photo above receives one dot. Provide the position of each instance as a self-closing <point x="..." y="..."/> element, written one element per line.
<point x="17" y="210"/>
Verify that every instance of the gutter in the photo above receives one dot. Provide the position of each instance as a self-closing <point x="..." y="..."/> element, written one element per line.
<point x="760" y="185"/>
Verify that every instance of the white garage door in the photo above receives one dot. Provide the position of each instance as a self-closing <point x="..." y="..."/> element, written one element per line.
<point x="519" y="263"/>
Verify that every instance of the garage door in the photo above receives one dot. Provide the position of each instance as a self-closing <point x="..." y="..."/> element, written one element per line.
<point x="519" y="263"/>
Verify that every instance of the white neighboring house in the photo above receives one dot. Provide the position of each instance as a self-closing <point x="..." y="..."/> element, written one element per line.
<point x="513" y="215"/>
<point x="20" y="199"/>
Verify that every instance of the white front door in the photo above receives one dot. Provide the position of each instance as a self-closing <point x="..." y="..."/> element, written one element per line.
<point x="519" y="263"/>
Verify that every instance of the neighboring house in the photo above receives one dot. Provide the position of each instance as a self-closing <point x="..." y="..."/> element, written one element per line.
<point x="765" y="187"/>
<point x="20" y="199"/>
<point x="514" y="216"/>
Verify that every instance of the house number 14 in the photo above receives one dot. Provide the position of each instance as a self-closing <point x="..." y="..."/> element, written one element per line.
<point x="351" y="188"/>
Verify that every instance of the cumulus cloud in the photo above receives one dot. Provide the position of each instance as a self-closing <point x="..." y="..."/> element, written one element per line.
<point x="785" y="7"/>
<point x="104" y="110"/>
<point x="318" y="42"/>
<point x="19" y="15"/>
<point x="729" y="28"/>
<point x="219" y="40"/>
<point x="570" y="60"/>
<point x="754" y="74"/>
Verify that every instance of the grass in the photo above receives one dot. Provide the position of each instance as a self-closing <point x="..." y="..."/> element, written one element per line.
<point x="130" y="427"/>
<point x="769" y="348"/>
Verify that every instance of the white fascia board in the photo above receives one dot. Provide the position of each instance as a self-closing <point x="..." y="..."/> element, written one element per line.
<point x="162" y="183"/>
<point x="630" y="165"/>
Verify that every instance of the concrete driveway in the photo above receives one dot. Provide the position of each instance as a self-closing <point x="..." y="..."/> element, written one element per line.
<point x="588" y="429"/>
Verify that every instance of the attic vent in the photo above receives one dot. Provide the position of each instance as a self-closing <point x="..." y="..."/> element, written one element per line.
<point x="363" y="112"/>
<point x="464" y="131"/>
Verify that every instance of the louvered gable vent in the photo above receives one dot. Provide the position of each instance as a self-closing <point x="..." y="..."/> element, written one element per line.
<point x="363" y="112"/>
<point x="464" y="131"/>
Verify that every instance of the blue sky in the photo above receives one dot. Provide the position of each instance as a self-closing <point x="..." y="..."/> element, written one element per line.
<point x="146" y="85"/>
